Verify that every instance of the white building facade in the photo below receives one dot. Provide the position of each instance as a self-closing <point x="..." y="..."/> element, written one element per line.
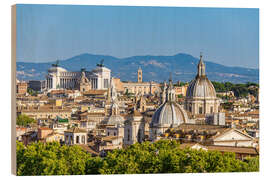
<point x="60" y="78"/>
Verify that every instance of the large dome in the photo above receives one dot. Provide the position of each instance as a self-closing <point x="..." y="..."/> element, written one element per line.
<point x="169" y="114"/>
<point x="201" y="87"/>
<point x="201" y="94"/>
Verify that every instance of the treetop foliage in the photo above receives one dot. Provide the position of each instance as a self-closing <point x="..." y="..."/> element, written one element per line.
<point x="240" y="90"/>
<point x="24" y="120"/>
<point x="163" y="156"/>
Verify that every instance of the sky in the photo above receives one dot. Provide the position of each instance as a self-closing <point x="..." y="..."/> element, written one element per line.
<point x="228" y="36"/>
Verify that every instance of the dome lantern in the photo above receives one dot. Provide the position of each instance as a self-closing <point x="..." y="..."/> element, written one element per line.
<point x="169" y="113"/>
<point x="201" y="67"/>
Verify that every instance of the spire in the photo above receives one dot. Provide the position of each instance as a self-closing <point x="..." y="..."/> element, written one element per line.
<point x="170" y="81"/>
<point x="170" y="92"/>
<point x="163" y="96"/>
<point x="201" y="67"/>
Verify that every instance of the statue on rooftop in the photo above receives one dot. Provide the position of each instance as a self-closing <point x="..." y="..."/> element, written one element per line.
<point x="101" y="63"/>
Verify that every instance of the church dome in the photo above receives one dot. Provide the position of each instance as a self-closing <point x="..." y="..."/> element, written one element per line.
<point x="169" y="114"/>
<point x="115" y="120"/>
<point x="201" y="86"/>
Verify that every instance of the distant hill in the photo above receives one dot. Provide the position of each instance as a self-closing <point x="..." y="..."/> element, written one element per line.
<point x="156" y="68"/>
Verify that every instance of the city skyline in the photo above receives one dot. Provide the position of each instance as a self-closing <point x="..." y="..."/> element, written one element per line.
<point x="50" y="32"/>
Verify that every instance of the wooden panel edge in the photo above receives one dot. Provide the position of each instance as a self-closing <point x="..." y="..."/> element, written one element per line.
<point x="13" y="90"/>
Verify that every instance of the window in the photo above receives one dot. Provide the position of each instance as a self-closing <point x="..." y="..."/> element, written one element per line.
<point x="106" y="83"/>
<point x="83" y="139"/>
<point x="108" y="133"/>
<point x="77" y="139"/>
<point x="128" y="137"/>
<point x="200" y="110"/>
<point x="114" y="133"/>
<point x="139" y="136"/>
<point x="211" y="109"/>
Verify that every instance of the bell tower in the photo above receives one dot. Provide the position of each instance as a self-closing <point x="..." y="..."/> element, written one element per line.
<point x="139" y="75"/>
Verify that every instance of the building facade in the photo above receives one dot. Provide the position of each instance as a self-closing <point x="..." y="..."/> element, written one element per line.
<point x="59" y="77"/>
<point x="37" y="85"/>
<point x="75" y="136"/>
<point x="134" y="129"/>
<point x="21" y="87"/>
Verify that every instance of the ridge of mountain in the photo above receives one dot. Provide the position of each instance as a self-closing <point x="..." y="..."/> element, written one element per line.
<point x="157" y="68"/>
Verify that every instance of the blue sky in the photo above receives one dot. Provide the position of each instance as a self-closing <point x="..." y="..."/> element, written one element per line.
<point x="226" y="36"/>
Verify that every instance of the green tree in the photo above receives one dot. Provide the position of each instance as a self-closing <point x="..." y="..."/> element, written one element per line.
<point x="163" y="156"/>
<point x="32" y="92"/>
<point x="220" y="87"/>
<point x="24" y="120"/>
<point x="50" y="159"/>
<point x="180" y="96"/>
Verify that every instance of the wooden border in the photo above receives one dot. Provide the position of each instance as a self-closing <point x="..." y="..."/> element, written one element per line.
<point x="13" y="89"/>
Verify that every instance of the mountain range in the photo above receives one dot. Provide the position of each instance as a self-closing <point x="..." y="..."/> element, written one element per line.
<point x="156" y="68"/>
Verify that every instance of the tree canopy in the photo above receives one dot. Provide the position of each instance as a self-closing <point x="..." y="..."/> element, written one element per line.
<point x="24" y="120"/>
<point x="240" y="90"/>
<point x="32" y="92"/>
<point x="163" y="156"/>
